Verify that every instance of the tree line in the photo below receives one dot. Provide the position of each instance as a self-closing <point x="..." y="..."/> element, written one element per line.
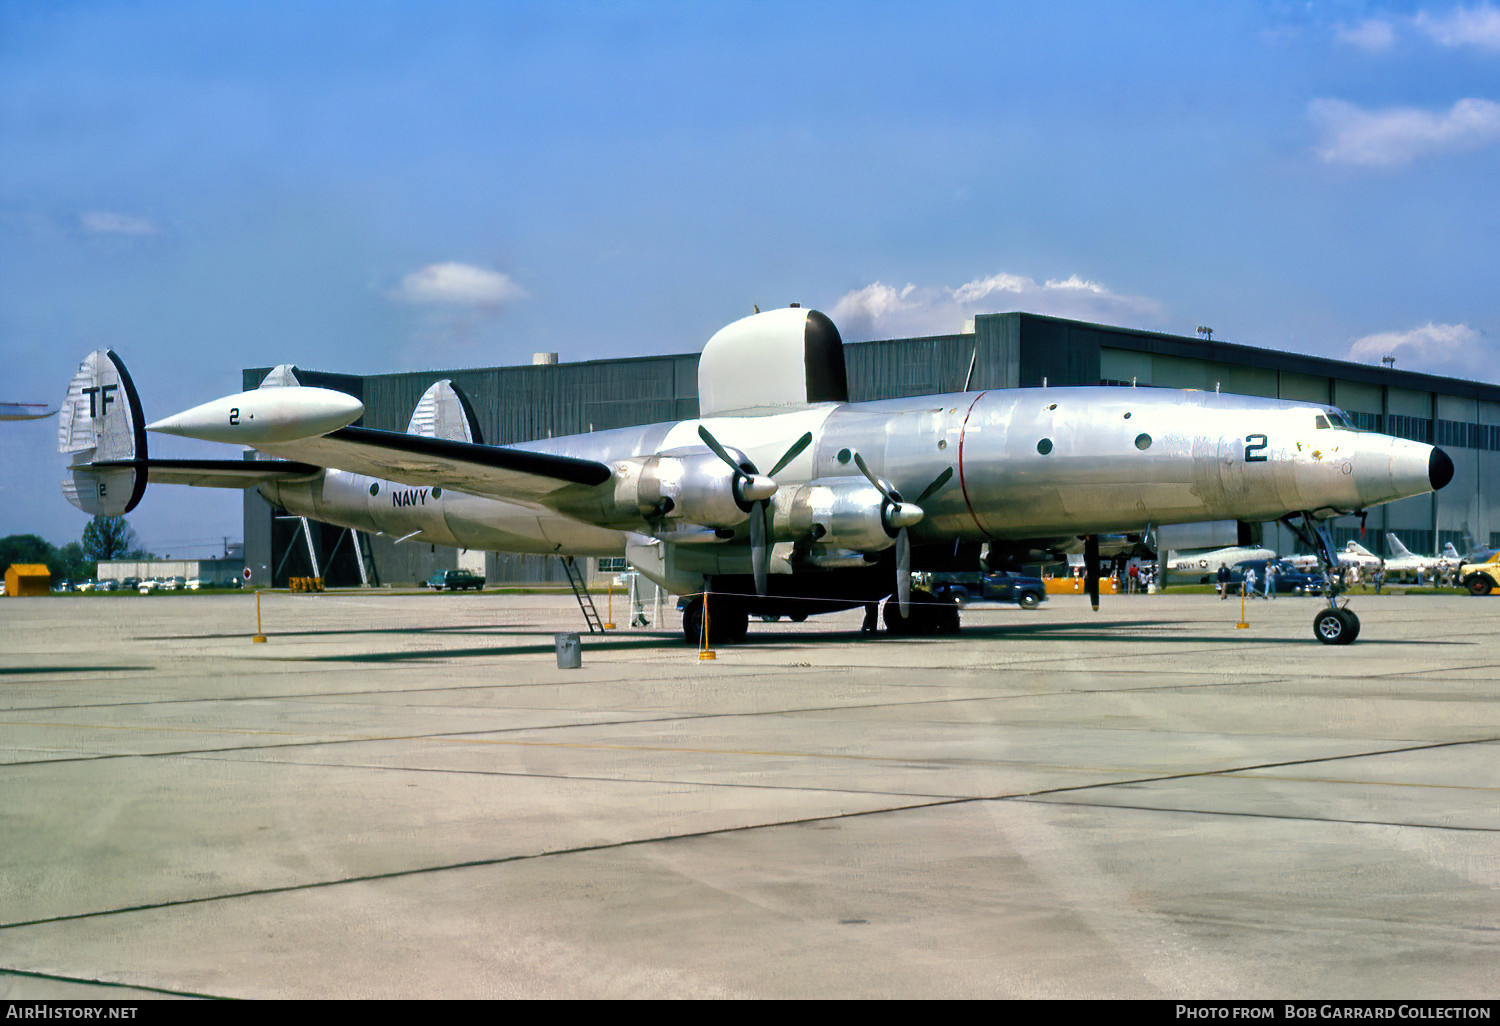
<point x="103" y="538"/>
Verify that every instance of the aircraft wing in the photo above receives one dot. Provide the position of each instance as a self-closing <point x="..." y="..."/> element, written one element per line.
<point x="495" y="471"/>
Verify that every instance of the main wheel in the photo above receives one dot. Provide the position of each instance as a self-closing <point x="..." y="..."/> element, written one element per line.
<point x="925" y="616"/>
<point x="1479" y="584"/>
<point x="1335" y="626"/>
<point x="1030" y="600"/>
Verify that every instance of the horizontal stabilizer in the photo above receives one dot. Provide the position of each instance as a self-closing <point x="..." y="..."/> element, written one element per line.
<point x="213" y="473"/>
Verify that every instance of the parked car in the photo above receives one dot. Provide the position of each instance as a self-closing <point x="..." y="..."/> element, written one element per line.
<point x="995" y="586"/>
<point x="1480" y="578"/>
<point x="1289" y="580"/>
<point x="130" y="583"/>
<point x="454" y="580"/>
<point x="148" y="586"/>
<point x="110" y="585"/>
<point x="194" y="584"/>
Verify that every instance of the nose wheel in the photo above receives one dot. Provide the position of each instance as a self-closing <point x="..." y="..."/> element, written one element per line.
<point x="1335" y="626"/>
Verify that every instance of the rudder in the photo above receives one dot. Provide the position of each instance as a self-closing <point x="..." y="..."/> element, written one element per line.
<point x="101" y="428"/>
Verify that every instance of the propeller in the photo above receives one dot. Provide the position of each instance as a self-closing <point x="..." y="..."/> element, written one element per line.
<point x="898" y="515"/>
<point x="753" y="491"/>
<point x="1091" y="568"/>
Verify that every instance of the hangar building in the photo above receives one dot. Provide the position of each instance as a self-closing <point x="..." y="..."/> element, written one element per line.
<point x="1008" y="350"/>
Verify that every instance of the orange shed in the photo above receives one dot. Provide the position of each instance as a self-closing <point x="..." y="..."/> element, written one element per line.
<point x="27" y="579"/>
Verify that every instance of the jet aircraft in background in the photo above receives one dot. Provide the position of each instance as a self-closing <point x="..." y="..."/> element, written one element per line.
<point x="1403" y="562"/>
<point x="782" y="497"/>
<point x="1202" y="566"/>
<point x="1352" y="554"/>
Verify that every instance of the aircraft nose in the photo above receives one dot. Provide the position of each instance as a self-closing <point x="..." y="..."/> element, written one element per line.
<point x="1439" y="468"/>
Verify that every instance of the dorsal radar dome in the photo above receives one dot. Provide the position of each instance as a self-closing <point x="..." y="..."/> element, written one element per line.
<point x="772" y="362"/>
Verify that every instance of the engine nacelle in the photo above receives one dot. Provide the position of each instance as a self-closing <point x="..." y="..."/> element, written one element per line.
<point x="693" y="487"/>
<point x="838" y="513"/>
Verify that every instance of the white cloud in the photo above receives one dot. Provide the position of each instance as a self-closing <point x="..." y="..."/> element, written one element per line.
<point x="1371" y="36"/>
<point x="881" y="310"/>
<point x="1399" y="135"/>
<point x="1464" y="26"/>
<point x="106" y="222"/>
<point x="454" y="284"/>
<point x="1455" y="349"/>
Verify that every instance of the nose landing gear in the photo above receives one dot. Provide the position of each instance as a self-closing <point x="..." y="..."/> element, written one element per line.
<point x="1336" y="625"/>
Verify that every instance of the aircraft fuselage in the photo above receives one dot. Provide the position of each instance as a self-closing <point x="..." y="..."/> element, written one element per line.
<point x="1027" y="464"/>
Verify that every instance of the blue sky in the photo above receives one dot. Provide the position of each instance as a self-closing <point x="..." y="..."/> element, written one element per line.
<point x="372" y="187"/>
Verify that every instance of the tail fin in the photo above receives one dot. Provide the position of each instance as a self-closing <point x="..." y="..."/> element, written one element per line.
<point x="101" y="423"/>
<point x="1357" y="549"/>
<point x="1449" y="551"/>
<point x="445" y="412"/>
<point x="1397" y="549"/>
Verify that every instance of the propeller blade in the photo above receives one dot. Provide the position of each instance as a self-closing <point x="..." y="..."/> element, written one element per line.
<point x="903" y="573"/>
<point x="759" y="553"/>
<point x="859" y="461"/>
<point x="937" y="483"/>
<point x="719" y="451"/>
<point x="792" y="453"/>
<point x="1091" y="568"/>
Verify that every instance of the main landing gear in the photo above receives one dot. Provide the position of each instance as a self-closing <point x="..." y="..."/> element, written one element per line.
<point x="927" y="614"/>
<point x="1336" y="625"/>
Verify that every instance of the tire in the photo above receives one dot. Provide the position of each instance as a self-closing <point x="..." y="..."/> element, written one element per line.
<point x="1479" y="584"/>
<point x="1029" y="600"/>
<point x="1335" y="626"/>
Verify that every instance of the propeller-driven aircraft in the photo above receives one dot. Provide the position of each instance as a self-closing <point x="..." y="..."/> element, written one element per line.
<point x="782" y="498"/>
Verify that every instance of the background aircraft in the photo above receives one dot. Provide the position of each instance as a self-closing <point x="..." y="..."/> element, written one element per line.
<point x="1351" y="555"/>
<point x="25" y="411"/>
<point x="852" y="499"/>
<point x="1202" y="565"/>
<point x="1406" y="564"/>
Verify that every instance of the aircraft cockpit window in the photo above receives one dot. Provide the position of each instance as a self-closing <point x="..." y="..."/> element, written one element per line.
<point x="1322" y="422"/>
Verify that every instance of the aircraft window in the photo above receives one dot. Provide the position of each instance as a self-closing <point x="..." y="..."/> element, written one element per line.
<point x="1322" y="422"/>
<point x="1044" y="446"/>
<point x="375" y="489"/>
<point x="1143" y="442"/>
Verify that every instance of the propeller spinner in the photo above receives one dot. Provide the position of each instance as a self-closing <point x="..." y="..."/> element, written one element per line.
<point x="753" y="491"/>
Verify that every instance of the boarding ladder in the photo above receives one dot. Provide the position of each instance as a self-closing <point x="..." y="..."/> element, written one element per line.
<point x="581" y="593"/>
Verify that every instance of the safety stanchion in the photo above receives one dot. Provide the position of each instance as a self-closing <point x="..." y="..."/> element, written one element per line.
<point x="1243" y="622"/>
<point x="260" y="637"/>
<point x="609" y="616"/>
<point x="706" y="652"/>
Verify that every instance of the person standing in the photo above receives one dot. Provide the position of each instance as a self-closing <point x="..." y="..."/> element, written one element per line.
<point x="1248" y="588"/>
<point x="1270" y="591"/>
<point x="1223" y="578"/>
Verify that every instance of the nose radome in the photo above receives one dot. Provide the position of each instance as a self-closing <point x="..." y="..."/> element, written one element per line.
<point x="1439" y="468"/>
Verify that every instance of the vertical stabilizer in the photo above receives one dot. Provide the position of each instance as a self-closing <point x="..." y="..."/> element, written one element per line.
<point x="445" y="412"/>
<point x="101" y="423"/>
<point x="1397" y="549"/>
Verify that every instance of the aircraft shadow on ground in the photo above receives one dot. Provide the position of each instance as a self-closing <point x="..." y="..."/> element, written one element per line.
<point x="672" y="640"/>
